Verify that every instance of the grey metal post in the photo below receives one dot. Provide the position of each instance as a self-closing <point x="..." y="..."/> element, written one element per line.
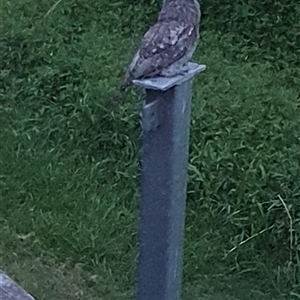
<point x="165" y="124"/>
<point x="10" y="290"/>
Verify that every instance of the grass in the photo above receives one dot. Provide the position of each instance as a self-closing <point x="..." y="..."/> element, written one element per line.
<point x="69" y="166"/>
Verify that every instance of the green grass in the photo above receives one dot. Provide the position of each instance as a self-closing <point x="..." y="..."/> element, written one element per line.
<point x="69" y="165"/>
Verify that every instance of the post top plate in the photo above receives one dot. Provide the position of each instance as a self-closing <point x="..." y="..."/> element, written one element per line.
<point x="165" y="83"/>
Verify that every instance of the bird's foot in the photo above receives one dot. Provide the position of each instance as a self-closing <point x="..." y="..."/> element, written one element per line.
<point x="184" y="70"/>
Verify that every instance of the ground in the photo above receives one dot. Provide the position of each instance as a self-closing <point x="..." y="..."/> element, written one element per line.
<point x="69" y="160"/>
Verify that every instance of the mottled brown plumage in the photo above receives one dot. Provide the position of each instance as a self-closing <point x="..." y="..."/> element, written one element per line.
<point x="169" y="44"/>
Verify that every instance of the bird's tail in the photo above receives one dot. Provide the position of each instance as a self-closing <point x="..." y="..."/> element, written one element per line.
<point x="118" y="97"/>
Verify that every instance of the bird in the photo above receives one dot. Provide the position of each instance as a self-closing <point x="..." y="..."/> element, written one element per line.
<point x="168" y="45"/>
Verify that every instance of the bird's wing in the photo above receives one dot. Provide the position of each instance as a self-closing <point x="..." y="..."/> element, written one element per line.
<point x="164" y="44"/>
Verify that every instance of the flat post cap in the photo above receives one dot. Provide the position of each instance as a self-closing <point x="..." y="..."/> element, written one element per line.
<point x="165" y="83"/>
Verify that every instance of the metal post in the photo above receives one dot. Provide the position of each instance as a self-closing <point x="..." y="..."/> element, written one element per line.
<point x="165" y="124"/>
<point x="9" y="290"/>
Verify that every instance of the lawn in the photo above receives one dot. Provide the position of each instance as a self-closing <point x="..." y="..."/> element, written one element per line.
<point x="69" y="161"/>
